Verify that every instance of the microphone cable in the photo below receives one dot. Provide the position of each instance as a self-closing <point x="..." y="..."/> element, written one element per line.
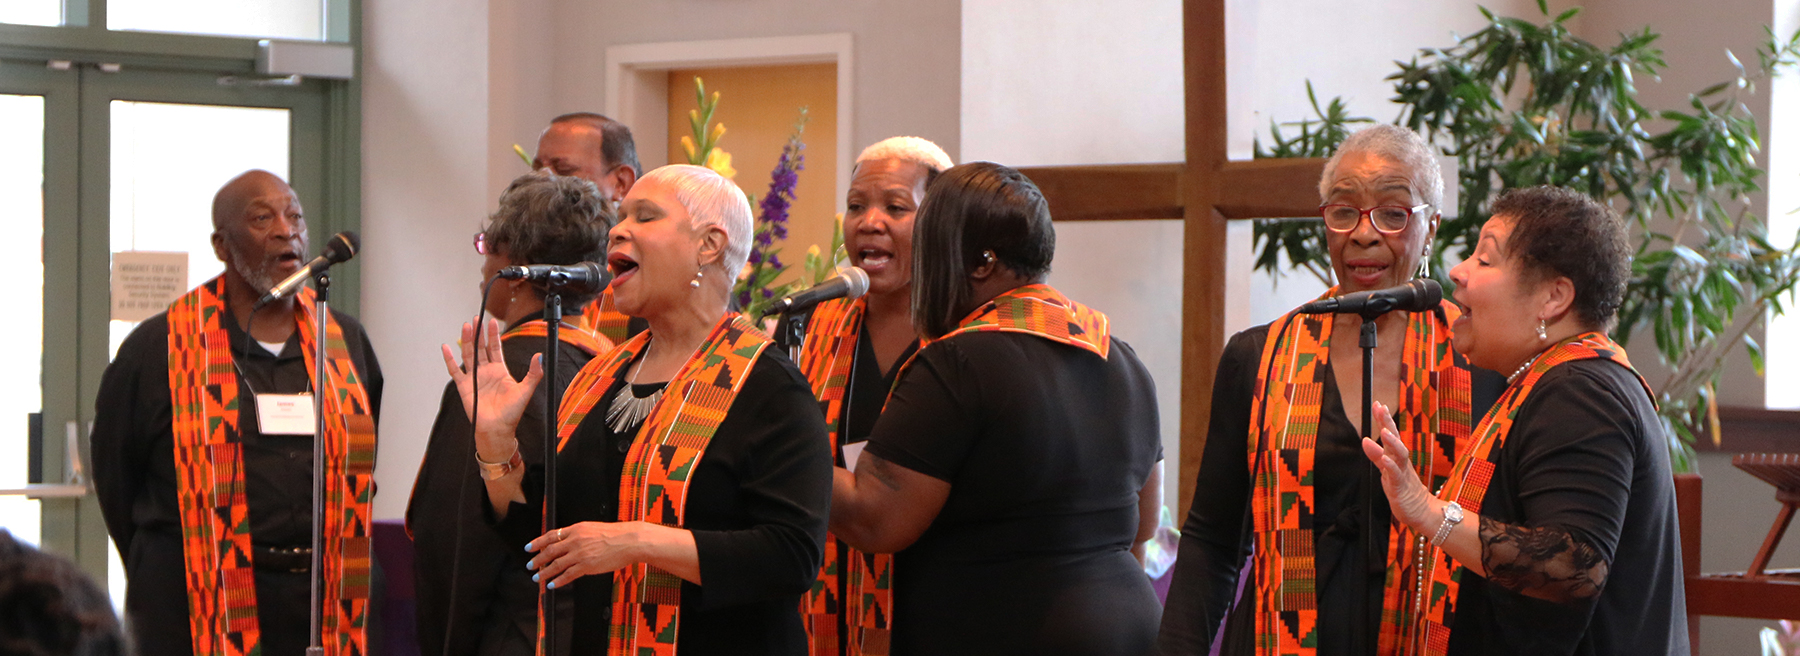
<point x="462" y="482"/>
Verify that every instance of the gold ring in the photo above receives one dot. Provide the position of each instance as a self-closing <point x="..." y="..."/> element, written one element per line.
<point x="559" y="534"/>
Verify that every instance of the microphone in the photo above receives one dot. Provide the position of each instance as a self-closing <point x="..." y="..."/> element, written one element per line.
<point x="342" y="246"/>
<point x="1416" y="296"/>
<point x="850" y="282"/>
<point x="578" y="279"/>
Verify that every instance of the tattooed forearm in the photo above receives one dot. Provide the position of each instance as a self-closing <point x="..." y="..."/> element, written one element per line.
<point x="879" y="470"/>
<point x="1541" y="562"/>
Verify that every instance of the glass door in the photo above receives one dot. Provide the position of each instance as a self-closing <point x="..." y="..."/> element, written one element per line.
<point x="38" y="411"/>
<point x="95" y="162"/>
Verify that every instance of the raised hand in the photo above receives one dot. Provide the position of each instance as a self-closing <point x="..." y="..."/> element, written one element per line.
<point x="1406" y="494"/>
<point x="502" y="398"/>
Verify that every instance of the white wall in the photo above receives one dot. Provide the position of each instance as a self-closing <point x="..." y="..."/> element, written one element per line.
<point x="425" y="191"/>
<point x="1782" y="387"/>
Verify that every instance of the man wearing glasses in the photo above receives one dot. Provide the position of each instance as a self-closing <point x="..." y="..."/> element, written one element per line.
<point x="1280" y="491"/>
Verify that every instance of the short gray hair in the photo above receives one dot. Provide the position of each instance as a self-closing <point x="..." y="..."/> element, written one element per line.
<point x="1400" y="145"/>
<point x="909" y="149"/>
<point x="711" y="200"/>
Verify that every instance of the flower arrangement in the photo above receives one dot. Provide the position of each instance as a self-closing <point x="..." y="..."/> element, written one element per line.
<point x="756" y="286"/>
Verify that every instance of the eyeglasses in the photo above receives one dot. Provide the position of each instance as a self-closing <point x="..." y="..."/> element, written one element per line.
<point x="1387" y="219"/>
<point x="481" y="243"/>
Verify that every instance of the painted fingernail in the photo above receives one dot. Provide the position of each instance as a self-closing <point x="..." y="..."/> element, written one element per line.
<point x="551" y="585"/>
<point x="530" y="565"/>
<point x="528" y="547"/>
<point x="534" y="578"/>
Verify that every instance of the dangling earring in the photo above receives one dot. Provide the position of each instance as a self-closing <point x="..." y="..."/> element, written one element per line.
<point x="1425" y="263"/>
<point x="695" y="283"/>
<point x="1542" y="335"/>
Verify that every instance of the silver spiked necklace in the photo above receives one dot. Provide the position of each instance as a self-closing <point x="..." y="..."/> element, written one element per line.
<point x="627" y="409"/>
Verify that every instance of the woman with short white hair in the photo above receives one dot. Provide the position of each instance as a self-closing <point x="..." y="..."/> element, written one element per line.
<point x="852" y="354"/>
<point x="694" y="473"/>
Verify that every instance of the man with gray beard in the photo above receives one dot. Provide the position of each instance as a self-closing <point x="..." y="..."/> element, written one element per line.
<point x="203" y="452"/>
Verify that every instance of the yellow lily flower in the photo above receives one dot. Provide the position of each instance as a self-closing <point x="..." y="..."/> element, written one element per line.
<point x="720" y="161"/>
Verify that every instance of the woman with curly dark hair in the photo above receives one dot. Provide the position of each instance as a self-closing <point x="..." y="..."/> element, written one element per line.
<point x="1567" y="480"/>
<point x="472" y="587"/>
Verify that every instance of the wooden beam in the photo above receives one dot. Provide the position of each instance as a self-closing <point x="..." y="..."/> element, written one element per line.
<point x="1270" y="188"/>
<point x="1203" y="235"/>
<point x="1110" y="193"/>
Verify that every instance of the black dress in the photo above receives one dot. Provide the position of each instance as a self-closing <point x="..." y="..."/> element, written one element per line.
<point x="757" y="507"/>
<point x="1046" y="447"/>
<point x="133" y="448"/>
<point x="467" y="579"/>
<point x="1586" y="455"/>
<point x="1215" y="543"/>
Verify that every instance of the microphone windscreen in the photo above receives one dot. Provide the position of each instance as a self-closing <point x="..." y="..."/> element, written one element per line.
<point x="342" y="246"/>
<point x="858" y="281"/>
<point x="1427" y="294"/>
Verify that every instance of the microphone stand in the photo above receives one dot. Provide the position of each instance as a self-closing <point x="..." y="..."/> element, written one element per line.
<point x="322" y="287"/>
<point x="790" y="333"/>
<point x="553" y="313"/>
<point x="1373" y="534"/>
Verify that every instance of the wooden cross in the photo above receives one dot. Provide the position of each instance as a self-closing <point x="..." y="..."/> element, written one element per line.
<point x="1204" y="192"/>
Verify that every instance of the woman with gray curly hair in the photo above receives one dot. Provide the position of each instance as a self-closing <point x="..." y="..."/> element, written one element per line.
<point x="694" y="472"/>
<point x="1276" y="554"/>
<point x="473" y="591"/>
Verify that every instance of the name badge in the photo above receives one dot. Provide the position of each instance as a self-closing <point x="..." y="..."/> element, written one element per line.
<point x="852" y="453"/>
<point x="285" y="414"/>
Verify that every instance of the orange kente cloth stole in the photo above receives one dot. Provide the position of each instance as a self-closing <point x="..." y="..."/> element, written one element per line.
<point x="1434" y="419"/>
<point x="646" y="608"/>
<point x="864" y="579"/>
<point x="1469" y="480"/>
<point x="601" y="319"/>
<point x="585" y="340"/>
<point x="1042" y="311"/>
<point x="209" y="466"/>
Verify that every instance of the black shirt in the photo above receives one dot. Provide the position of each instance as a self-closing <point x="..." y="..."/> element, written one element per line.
<point x="869" y="388"/>
<point x="756" y="505"/>
<point x="1215" y="542"/>
<point x="1586" y="455"/>
<point x="134" y="477"/>
<point x="1046" y="447"/>
<point x="466" y="578"/>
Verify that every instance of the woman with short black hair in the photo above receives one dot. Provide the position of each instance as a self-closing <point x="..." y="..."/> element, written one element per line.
<point x="1018" y="461"/>
<point x="1567" y="479"/>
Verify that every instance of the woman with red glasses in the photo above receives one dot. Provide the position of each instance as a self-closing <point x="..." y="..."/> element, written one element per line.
<point x="1273" y="555"/>
<point x="473" y="591"/>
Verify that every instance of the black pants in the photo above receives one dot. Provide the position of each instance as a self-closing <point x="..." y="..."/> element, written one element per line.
<point x="156" y="609"/>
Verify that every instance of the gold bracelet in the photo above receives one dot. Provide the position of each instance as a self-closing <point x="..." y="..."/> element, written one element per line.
<point x="494" y="471"/>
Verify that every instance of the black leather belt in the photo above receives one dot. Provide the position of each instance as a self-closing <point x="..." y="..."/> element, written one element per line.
<point x="282" y="559"/>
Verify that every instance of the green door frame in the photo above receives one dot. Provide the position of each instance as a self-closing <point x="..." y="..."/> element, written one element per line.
<point x="325" y="161"/>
